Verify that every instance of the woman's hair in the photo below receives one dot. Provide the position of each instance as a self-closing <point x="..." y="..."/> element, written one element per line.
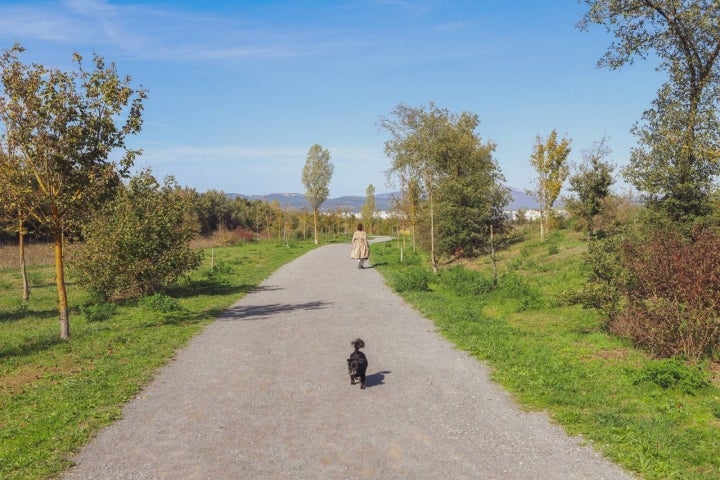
<point x="360" y="227"/>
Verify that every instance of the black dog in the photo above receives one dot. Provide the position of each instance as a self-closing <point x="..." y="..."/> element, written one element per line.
<point x="357" y="363"/>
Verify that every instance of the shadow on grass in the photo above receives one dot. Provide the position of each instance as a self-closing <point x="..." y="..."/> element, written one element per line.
<point x="38" y="344"/>
<point x="21" y="314"/>
<point x="208" y="287"/>
<point x="259" y="312"/>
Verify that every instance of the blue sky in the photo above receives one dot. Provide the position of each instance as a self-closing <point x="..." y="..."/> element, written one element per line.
<point x="239" y="90"/>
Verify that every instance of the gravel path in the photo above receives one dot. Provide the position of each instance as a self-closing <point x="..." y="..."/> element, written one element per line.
<point x="263" y="393"/>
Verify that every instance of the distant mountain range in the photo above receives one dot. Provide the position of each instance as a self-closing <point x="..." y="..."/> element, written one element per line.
<point x="383" y="201"/>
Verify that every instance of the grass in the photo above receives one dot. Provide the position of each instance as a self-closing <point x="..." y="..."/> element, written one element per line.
<point x="54" y="395"/>
<point x="657" y="418"/>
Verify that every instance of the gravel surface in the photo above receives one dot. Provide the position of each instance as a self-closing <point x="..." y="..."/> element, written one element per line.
<point x="263" y="393"/>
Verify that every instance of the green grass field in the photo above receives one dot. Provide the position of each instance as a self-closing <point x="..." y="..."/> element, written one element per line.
<point x="55" y="394"/>
<point x="659" y="419"/>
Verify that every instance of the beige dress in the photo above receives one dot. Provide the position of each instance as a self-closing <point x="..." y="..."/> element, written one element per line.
<point x="360" y="246"/>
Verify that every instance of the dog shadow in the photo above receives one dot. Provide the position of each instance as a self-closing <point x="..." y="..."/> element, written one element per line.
<point x="375" y="379"/>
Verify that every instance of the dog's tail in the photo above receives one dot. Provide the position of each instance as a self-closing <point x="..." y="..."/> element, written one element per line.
<point x="358" y="343"/>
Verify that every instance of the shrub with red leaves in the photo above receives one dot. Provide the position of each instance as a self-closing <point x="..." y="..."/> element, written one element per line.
<point x="674" y="299"/>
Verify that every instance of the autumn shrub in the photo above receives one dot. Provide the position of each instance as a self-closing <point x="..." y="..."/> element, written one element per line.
<point x="673" y="296"/>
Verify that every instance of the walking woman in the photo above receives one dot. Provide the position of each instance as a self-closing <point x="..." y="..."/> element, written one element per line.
<point x="360" y="246"/>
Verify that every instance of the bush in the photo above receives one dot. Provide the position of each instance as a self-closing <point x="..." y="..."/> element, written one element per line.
<point x="671" y="373"/>
<point x="412" y="279"/>
<point x="672" y="307"/>
<point x="139" y="243"/>
<point x="159" y="302"/>
<point x="98" y="312"/>
<point x="466" y="282"/>
<point x="514" y="289"/>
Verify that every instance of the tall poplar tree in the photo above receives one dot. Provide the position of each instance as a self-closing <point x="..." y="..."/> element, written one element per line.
<point x="316" y="177"/>
<point x="549" y="157"/>
<point x="368" y="208"/>
<point x="65" y="125"/>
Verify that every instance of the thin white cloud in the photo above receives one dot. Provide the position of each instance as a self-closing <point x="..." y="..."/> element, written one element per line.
<point x="148" y="32"/>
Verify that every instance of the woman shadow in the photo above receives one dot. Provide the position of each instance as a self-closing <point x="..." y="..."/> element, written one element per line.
<point x="375" y="379"/>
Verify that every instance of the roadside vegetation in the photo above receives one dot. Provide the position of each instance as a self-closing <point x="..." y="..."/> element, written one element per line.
<point x="55" y="394"/>
<point x="657" y="417"/>
<point x="613" y="328"/>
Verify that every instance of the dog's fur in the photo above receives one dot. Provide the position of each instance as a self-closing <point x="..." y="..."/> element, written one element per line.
<point x="357" y="363"/>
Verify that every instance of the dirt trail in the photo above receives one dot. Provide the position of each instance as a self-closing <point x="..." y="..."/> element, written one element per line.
<point x="263" y="393"/>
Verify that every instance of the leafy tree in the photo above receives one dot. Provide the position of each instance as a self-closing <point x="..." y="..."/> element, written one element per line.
<point x="17" y="186"/>
<point x="409" y="205"/>
<point x="214" y="208"/>
<point x="138" y="243"/>
<point x="316" y="177"/>
<point x="549" y="158"/>
<point x="416" y="135"/>
<point x="679" y="137"/>
<point x="472" y="194"/>
<point x="368" y="209"/>
<point x="65" y="125"/>
<point x="591" y="183"/>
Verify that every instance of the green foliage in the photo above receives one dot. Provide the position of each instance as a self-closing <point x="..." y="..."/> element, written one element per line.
<point x="514" y="290"/>
<point x="160" y="302"/>
<point x="606" y="277"/>
<point x="676" y="160"/>
<point x="549" y="159"/>
<point x="138" y="243"/>
<point x="98" y="312"/>
<point x="591" y="184"/>
<point x="413" y="278"/>
<point x="674" y="373"/>
<point x="466" y="282"/>
<point x="447" y="174"/>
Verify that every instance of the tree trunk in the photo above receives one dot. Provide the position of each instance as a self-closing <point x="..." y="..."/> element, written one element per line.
<point x="315" y="224"/>
<point x="23" y="268"/>
<point x="493" y="257"/>
<point x="433" y="258"/>
<point x="62" y="292"/>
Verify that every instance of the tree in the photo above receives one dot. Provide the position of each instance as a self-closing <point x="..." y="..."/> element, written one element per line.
<point x="549" y="158"/>
<point x="470" y="204"/>
<point x="368" y="209"/>
<point x="437" y="157"/>
<point x="591" y="183"/>
<point x="408" y="204"/>
<point x="415" y="135"/>
<point x="17" y="187"/>
<point x="139" y="242"/>
<point x="472" y="195"/>
<point x="679" y="137"/>
<point x="316" y="177"/>
<point x="65" y="125"/>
